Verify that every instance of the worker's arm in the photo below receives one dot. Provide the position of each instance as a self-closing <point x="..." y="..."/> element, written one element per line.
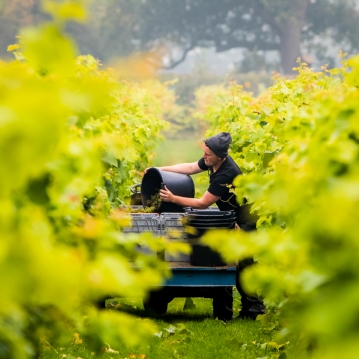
<point x="198" y="203"/>
<point x="185" y="168"/>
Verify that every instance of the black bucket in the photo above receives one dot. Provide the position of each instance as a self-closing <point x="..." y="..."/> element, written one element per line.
<point x="178" y="183"/>
<point x="197" y="223"/>
<point x="209" y="219"/>
<point x="211" y="224"/>
<point x="203" y="255"/>
<point x="206" y="216"/>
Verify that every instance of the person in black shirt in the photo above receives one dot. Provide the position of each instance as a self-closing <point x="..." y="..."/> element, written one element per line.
<point x="222" y="171"/>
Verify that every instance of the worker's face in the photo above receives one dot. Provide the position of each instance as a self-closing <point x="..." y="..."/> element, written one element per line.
<point x="210" y="159"/>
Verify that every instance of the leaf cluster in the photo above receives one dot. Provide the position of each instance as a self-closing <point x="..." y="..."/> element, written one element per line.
<point x="73" y="139"/>
<point x="298" y="147"/>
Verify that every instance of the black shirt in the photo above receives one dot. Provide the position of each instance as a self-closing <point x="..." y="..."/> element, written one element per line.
<point x="221" y="184"/>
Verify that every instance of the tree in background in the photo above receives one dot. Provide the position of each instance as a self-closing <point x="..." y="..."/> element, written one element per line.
<point x="15" y="14"/>
<point x="278" y="25"/>
<point x="176" y="27"/>
<point x="173" y="28"/>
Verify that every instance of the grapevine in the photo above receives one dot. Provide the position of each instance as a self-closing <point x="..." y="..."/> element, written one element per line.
<point x="297" y="146"/>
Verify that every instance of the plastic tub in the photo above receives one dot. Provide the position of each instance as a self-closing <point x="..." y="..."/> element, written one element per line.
<point x="172" y="225"/>
<point x="197" y="223"/>
<point x="209" y="223"/>
<point x="210" y="215"/>
<point x="144" y="222"/>
<point x="178" y="183"/>
<point x="205" y="256"/>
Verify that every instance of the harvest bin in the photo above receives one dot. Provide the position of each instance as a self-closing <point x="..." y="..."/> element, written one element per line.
<point x="178" y="183"/>
<point x="166" y="224"/>
<point x="197" y="223"/>
<point x="172" y="228"/>
<point x="144" y="223"/>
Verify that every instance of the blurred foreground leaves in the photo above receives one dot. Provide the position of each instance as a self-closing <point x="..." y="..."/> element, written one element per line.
<point x="73" y="140"/>
<point x="298" y="147"/>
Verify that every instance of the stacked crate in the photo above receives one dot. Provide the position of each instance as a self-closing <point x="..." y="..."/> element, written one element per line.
<point x="144" y="223"/>
<point x="172" y="228"/>
<point x="167" y="224"/>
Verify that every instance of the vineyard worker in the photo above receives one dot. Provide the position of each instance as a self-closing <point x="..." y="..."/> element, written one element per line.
<point x="222" y="170"/>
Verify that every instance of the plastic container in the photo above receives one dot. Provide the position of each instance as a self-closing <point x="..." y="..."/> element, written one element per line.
<point x="209" y="222"/>
<point x="209" y="219"/>
<point x="172" y="225"/>
<point x="211" y="208"/>
<point x="173" y="229"/>
<point x="179" y="184"/>
<point x="141" y="223"/>
<point x="180" y="257"/>
<point x="209" y="215"/>
<point x="203" y="255"/>
<point x="144" y="222"/>
<point x="197" y="223"/>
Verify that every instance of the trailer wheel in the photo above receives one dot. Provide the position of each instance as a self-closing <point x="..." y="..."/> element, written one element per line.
<point x="156" y="303"/>
<point x="223" y="303"/>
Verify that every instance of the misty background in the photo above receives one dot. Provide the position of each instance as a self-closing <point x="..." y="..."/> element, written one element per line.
<point x="205" y="42"/>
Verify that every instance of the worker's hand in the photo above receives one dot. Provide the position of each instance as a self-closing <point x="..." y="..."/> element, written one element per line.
<point x="237" y="228"/>
<point x="166" y="195"/>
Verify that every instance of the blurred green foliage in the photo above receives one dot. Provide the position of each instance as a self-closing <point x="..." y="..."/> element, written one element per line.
<point x="73" y="139"/>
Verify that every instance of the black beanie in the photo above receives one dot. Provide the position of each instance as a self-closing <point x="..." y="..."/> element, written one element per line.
<point x="219" y="143"/>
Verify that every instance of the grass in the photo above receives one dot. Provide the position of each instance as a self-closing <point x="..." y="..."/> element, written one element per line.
<point x="173" y="151"/>
<point x="183" y="150"/>
<point x="187" y="334"/>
